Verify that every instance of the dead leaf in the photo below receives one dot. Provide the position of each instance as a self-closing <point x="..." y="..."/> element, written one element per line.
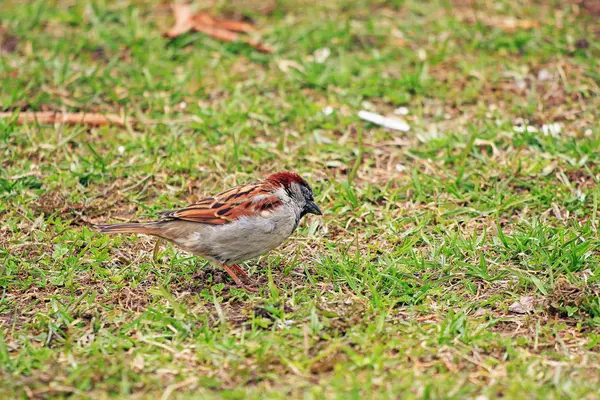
<point x="91" y="119"/>
<point x="8" y="43"/>
<point x="509" y="24"/>
<point x="78" y="118"/>
<point x="484" y="143"/>
<point x="286" y="65"/>
<point x="220" y="29"/>
<point x="138" y="363"/>
<point x="582" y="43"/>
<point x="592" y="6"/>
<point x="525" y="305"/>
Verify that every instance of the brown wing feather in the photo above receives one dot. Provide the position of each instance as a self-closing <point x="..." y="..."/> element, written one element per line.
<point x="229" y="205"/>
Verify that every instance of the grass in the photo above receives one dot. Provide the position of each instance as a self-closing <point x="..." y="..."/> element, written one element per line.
<point x="404" y="288"/>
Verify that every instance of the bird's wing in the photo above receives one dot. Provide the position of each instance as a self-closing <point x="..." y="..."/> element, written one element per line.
<point x="244" y="200"/>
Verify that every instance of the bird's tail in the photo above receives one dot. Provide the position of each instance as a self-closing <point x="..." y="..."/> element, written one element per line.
<point x="150" y="228"/>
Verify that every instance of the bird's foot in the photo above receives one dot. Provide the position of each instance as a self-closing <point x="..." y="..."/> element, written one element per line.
<point x="232" y="270"/>
<point x="248" y="288"/>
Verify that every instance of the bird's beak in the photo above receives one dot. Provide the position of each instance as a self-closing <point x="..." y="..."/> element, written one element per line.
<point x="312" y="208"/>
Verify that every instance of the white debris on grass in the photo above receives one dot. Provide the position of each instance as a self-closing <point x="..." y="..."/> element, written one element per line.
<point x="427" y="136"/>
<point x="386" y="122"/>
<point x="551" y="129"/>
<point x="524" y="128"/>
<point x="521" y="125"/>
<point x="286" y="65"/>
<point x="321" y="55"/>
<point x="286" y="323"/>
<point x="334" y="164"/>
<point x="327" y="110"/>
<point x="321" y="137"/>
<point x="544" y="75"/>
<point x="401" y="111"/>
<point x="367" y="106"/>
<point x="521" y="84"/>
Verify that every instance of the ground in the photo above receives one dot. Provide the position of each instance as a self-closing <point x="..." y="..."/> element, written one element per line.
<point x="458" y="260"/>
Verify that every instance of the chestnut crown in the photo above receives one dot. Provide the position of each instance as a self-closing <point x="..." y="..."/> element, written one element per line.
<point x="298" y="189"/>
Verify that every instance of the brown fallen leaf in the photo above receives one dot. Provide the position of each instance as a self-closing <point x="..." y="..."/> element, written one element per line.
<point x="592" y="6"/>
<point x="8" y="43"/>
<point x="92" y="119"/>
<point x="509" y="24"/>
<point x="525" y="305"/>
<point x="220" y="29"/>
<point x="78" y="118"/>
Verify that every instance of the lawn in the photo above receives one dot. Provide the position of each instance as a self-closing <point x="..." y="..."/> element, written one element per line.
<point x="460" y="259"/>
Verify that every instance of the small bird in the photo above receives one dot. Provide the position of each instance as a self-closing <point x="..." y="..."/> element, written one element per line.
<point x="236" y="225"/>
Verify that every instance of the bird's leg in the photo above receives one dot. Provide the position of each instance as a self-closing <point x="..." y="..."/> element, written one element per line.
<point x="239" y="270"/>
<point x="233" y="276"/>
<point x="236" y="279"/>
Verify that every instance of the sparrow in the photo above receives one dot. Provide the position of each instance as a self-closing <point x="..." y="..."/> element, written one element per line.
<point x="236" y="225"/>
